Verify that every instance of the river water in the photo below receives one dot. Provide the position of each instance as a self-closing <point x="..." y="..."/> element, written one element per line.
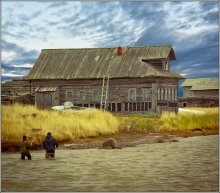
<point x="192" y="164"/>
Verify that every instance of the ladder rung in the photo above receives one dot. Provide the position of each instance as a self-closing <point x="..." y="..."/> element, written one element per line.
<point x="104" y="94"/>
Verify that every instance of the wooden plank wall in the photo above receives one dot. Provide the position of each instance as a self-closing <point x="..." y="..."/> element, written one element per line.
<point x="198" y="102"/>
<point x="17" y="90"/>
<point x="206" y="93"/>
<point x="118" y="93"/>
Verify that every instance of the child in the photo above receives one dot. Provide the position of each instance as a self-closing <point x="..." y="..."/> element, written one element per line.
<point x="24" y="147"/>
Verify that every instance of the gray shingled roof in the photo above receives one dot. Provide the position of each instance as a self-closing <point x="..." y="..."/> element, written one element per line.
<point x="202" y="83"/>
<point x="96" y="62"/>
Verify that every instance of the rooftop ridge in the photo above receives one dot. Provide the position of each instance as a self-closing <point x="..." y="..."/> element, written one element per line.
<point x="105" y="47"/>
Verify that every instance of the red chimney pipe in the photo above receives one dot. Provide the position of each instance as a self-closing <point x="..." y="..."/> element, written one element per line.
<point x="119" y="51"/>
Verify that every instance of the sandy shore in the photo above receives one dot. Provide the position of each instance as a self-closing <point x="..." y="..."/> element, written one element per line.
<point x="134" y="137"/>
<point x="123" y="138"/>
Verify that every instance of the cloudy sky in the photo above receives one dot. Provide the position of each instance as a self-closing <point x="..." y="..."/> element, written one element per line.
<point x="190" y="27"/>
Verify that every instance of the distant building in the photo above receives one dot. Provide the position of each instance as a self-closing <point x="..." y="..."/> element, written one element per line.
<point x="16" y="90"/>
<point x="200" y="92"/>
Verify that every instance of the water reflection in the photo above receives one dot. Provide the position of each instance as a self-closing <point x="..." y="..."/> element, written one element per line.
<point x="189" y="165"/>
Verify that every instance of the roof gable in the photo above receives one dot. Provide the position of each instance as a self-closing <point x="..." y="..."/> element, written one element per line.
<point x="97" y="62"/>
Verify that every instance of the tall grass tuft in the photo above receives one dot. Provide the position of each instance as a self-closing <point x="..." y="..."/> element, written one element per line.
<point x="18" y="120"/>
<point x="187" y="122"/>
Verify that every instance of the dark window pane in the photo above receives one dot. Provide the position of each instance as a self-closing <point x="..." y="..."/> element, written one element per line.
<point x="142" y="106"/>
<point x="130" y="106"/>
<point x="119" y="106"/>
<point x="150" y="105"/>
<point x="126" y="106"/>
<point x="134" y="107"/>
<point x="146" y="106"/>
<point x="113" y="106"/>
<point x="138" y="107"/>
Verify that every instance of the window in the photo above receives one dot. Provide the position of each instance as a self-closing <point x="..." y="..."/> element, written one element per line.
<point x="162" y="94"/>
<point x="165" y="97"/>
<point x="169" y="94"/>
<point x="118" y="106"/>
<point x="132" y="94"/>
<point x="158" y="94"/>
<point x="146" y="94"/>
<point x="173" y="94"/>
<point x="96" y="95"/>
<point x="69" y="95"/>
<point x="82" y="95"/>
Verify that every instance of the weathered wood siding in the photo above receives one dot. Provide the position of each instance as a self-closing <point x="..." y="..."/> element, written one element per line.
<point x="163" y="94"/>
<point x="198" y="102"/>
<point x="200" y="93"/>
<point x="206" y="93"/>
<point x="16" y="90"/>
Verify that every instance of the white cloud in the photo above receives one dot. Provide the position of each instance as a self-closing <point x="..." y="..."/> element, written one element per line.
<point x="7" y="55"/>
<point x="183" y="74"/>
<point x="23" y="65"/>
<point x="10" y="74"/>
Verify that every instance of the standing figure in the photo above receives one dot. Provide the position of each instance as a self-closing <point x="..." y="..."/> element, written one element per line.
<point x="49" y="144"/>
<point x="24" y="148"/>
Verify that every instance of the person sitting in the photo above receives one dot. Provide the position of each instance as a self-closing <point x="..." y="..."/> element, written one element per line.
<point x="49" y="144"/>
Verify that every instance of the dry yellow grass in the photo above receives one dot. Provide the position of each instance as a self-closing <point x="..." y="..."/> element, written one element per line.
<point x="186" y="121"/>
<point x="18" y="120"/>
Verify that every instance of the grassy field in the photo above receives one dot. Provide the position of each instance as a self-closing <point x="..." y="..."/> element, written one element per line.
<point x="19" y="120"/>
<point x="188" y="122"/>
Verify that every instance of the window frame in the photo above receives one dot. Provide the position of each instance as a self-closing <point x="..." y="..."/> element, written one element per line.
<point x="162" y="93"/>
<point x="98" y="98"/>
<point x="149" y="94"/>
<point x="165" y="94"/>
<point x="130" y="97"/>
<point x="159" y="94"/>
<point x="69" y="91"/>
<point x="80" y="99"/>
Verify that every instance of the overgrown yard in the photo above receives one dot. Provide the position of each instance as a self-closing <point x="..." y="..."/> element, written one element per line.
<point x="19" y="120"/>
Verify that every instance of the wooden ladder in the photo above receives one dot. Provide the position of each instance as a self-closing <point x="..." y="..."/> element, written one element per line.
<point x="104" y="94"/>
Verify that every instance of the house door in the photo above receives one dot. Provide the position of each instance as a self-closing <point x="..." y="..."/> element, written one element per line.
<point x="48" y="100"/>
<point x="44" y="100"/>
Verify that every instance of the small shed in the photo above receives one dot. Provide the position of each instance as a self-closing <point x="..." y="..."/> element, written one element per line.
<point x="200" y="92"/>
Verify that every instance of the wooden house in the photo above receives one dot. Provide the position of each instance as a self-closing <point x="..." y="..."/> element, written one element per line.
<point x="200" y="92"/>
<point x="16" y="90"/>
<point x="140" y="79"/>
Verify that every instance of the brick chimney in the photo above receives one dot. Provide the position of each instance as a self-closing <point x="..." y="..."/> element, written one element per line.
<point x="119" y="51"/>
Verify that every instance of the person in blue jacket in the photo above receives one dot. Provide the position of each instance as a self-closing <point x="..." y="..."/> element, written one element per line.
<point x="50" y="144"/>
